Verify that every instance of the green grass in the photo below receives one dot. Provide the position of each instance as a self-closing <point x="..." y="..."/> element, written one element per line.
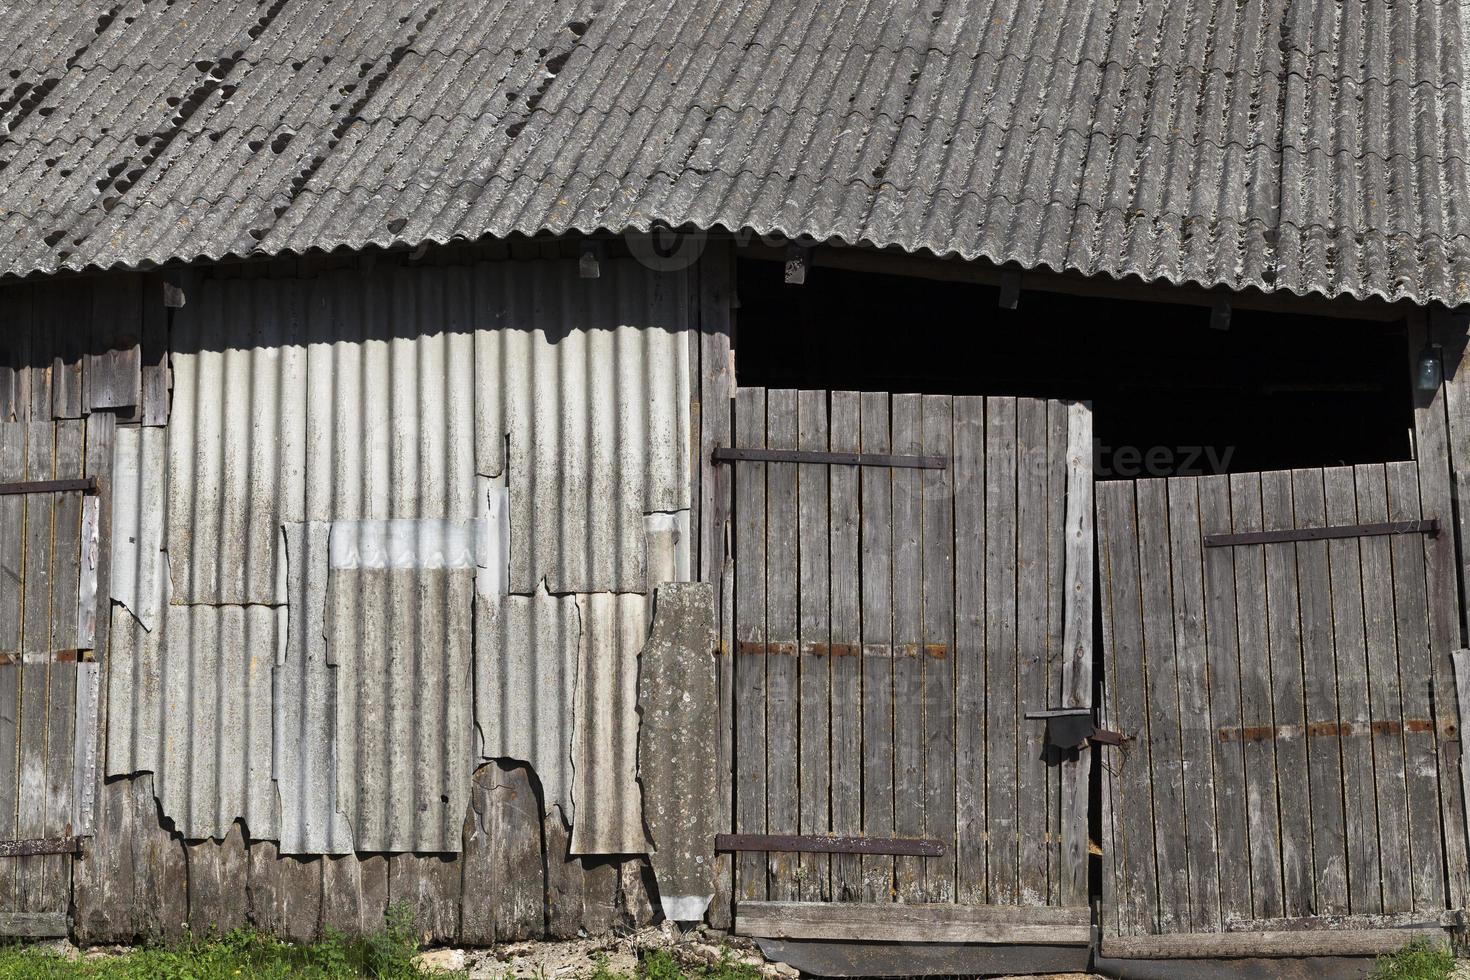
<point x="239" y="955"/>
<point x="1419" y="960"/>
<point x="659" y="964"/>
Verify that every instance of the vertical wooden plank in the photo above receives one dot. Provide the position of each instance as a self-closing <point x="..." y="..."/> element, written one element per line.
<point x="1390" y="788"/>
<point x="63" y="323"/>
<point x="98" y="462"/>
<point x="1432" y="443"/>
<point x="112" y="369"/>
<point x="1255" y="700"/>
<point x="750" y="641"/>
<point x="878" y="654"/>
<point x="67" y="537"/>
<point x="969" y="646"/>
<point x="32" y="878"/>
<point x="354" y="900"/>
<point x="845" y="599"/>
<point x="1161" y="680"/>
<point x="48" y="300"/>
<point x="15" y="328"/>
<point x="153" y="351"/>
<point x="565" y="887"/>
<point x="1077" y="670"/>
<point x="815" y="637"/>
<point x="10" y="731"/>
<point x="1002" y="712"/>
<point x="716" y="399"/>
<point x="429" y="885"/>
<point x="1032" y="647"/>
<point x="1186" y="553"/>
<point x="503" y="884"/>
<point x="1132" y="898"/>
<point x="1056" y="762"/>
<point x="217" y="871"/>
<point x="1360" y="829"/>
<point x="908" y="636"/>
<point x="1324" y="753"/>
<point x="782" y="692"/>
<point x="1416" y="672"/>
<point x="12" y="538"/>
<point x="1223" y="671"/>
<point x="1288" y="696"/>
<point x="937" y="663"/>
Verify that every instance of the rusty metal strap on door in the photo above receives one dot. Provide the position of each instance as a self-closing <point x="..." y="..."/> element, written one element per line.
<point x="829" y="844"/>
<point x="1430" y="526"/>
<point x="40" y="845"/>
<point x="86" y="485"/>
<point x="728" y="454"/>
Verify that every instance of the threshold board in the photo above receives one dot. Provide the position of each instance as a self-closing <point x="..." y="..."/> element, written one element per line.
<point x="893" y="922"/>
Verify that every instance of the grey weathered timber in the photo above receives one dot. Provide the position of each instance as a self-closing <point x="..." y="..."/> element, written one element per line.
<point x="1057" y="762"/>
<point x="908" y="610"/>
<point x="925" y="922"/>
<point x="937" y="663"/>
<point x="1032" y="649"/>
<point x="969" y="649"/>
<point x="1166" y="762"/>
<point x="1002" y="710"/>
<point x="677" y="692"/>
<point x="1367" y="942"/>
<point x="1077" y="651"/>
<point x="1284" y="640"/>
<point x="877" y="646"/>
<point x="825" y="457"/>
<point x="1320" y="673"/>
<point x="1462" y="714"/>
<point x="1132" y="902"/>
<point x="1255" y="701"/>
<point x="814" y="644"/>
<point x="846" y="645"/>
<point x="504" y="885"/>
<point x="1432" y="451"/>
<point x="782" y="678"/>
<point x="1380" y="638"/>
<point x="1223" y="664"/>
<point x="60" y="332"/>
<point x="1416" y="672"/>
<point x="716" y="395"/>
<point x="33" y="925"/>
<point x="823" y="958"/>
<point x="750" y="653"/>
<point x="112" y="375"/>
<point x="1360" y="811"/>
<point x="830" y="844"/>
<point x="12" y="539"/>
<point x="1192" y="664"/>
<point x="153" y="351"/>
<point x="217" y="871"/>
<point x="100" y="436"/>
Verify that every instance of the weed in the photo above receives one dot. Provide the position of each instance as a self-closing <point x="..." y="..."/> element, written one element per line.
<point x="1419" y="960"/>
<point x="239" y="955"/>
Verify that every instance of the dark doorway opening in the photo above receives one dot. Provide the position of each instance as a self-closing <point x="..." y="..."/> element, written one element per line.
<point x="1171" y="395"/>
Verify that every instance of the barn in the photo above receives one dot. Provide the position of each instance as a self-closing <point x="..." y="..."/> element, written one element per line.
<point x="936" y="487"/>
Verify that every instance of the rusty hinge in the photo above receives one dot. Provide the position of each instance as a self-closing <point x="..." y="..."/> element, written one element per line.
<point x="728" y="454"/>
<point x="40" y="845"/>
<point x="86" y="485"/>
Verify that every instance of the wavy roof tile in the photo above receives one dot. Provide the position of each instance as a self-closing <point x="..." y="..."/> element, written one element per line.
<point x="1314" y="146"/>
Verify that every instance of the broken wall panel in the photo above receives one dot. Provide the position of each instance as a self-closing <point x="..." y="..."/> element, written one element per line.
<point x="400" y="640"/>
<point x="191" y="703"/>
<point x="678" y="694"/>
<point x="526" y="654"/>
<point x="312" y="821"/>
<point x="139" y="495"/>
<point x="605" y="790"/>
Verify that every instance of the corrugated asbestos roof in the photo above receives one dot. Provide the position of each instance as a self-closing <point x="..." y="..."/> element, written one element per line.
<point x="1306" y="145"/>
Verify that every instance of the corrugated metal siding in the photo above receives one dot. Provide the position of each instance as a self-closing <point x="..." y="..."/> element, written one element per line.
<point x="526" y="657"/>
<point x="300" y="405"/>
<point x="400" y="642"/>
<point x="191" y="703"/>
<point x="605" y="790"/>
<point x="139" y="578"/>
<point x="360" y="397"/>
<point x="1314" y="145"/>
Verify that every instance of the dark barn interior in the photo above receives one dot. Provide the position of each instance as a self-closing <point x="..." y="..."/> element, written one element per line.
<point x="1171" y="394"/>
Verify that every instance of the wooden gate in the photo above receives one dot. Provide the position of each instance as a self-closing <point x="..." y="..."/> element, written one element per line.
<point x="1267" y="641"/>
<point x="913" y="575"/>
<point x="48" y="687"/>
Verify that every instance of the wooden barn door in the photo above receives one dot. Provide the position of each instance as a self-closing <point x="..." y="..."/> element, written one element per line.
<point x="1268" y="656"/>
<point x="48" y="689"/>
<point x="913" y="575"/>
